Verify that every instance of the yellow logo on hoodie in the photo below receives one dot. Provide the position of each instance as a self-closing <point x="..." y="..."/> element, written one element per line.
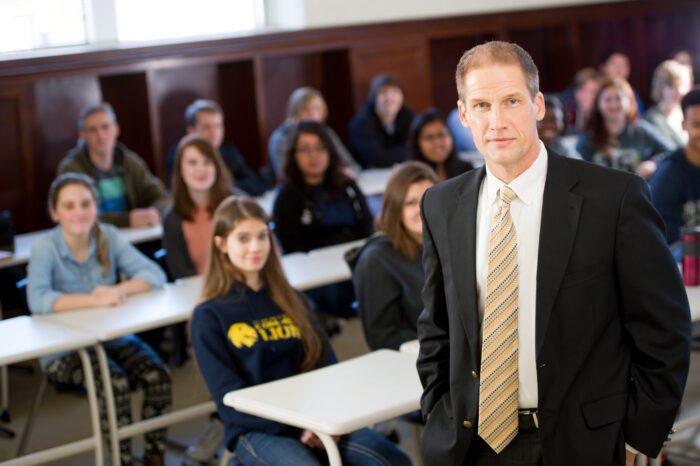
<point x="279" y="327"/>
<point x="242" y="334"/>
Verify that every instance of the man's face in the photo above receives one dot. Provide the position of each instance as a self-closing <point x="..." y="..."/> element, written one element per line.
<point x="389" y="100"/>
<point x="691" y="123"/>
<point x="502" y="116"/>
<point x="209" y="125"/>
<point x="617" y="66"/>
<point x="100" y="133"/>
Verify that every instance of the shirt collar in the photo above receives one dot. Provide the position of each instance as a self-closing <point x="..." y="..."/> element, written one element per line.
<point x="62" y="247"/>
<point x="526" y="185"/>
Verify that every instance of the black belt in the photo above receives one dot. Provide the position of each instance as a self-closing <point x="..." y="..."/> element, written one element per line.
<point x="527" y="419"/>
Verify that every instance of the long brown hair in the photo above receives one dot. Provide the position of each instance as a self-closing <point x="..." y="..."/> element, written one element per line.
<point x="68" y="179"/>
<point x="390" y="218"/>
<point x="221" y="274"/>
<point x="182" y="202"/>
<point x="597" y="131"/>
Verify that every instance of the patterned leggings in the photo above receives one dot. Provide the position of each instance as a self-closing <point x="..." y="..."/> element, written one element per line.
<point x="132" y="364"/>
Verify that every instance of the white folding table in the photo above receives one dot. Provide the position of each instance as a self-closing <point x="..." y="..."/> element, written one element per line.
<point x="23" y="242"/>
<point x="172" y="304"/>
<point x="24" y="338"/>
<point x="337" y="399"/>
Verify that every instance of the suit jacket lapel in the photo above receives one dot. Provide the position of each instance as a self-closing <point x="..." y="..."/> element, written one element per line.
<point x="560" y="216"/>
<point x="462" y="232"/>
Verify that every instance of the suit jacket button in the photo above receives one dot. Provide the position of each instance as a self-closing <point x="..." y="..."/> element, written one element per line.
<point x="468" y="424"/>
<point x="475" y="375"/>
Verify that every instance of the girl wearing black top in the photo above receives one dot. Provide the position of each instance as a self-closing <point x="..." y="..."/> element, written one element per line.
<point x="252" y="327"/>
<point x="317" y="206"/>
<point x="430" y="141"/>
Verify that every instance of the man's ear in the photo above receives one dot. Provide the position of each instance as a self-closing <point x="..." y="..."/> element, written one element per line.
<point x="190" y="130"/>
<point x="54" y="217"/>
<point x="116" y="128"/>
<point x="539" y="106"/>
<point x="462" y="109"/>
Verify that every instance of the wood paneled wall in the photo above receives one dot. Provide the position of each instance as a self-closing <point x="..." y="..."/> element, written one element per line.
<point x="252" y="77"/>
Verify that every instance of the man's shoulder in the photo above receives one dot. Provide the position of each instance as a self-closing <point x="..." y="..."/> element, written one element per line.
<point x="675" y="169"/>
<point x="587" y="172"/>
<point x="75" y="161"/>
<point x="456" y="185"/>
<point x="129" y="156"/>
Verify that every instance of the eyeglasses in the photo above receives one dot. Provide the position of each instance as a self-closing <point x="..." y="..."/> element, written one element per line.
<point x="304" y="150"/>
<point x="435" y="136"/>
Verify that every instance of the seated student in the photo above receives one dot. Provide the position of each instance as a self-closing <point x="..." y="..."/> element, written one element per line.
<point x="388" y="271"/>
<point x="615" y="64"/>
<point x="378" y="134"/>
<point x="671" y="81"/>
<point x="244" y="287"/>
<point x="579" y="99"/>
<point x="615" y="136"/>
<point x="77" y="265"/>
<point x="430" y="141"/>
<point x="206" y="118"/>
<point x="675" y="187"/>
<point x="552" y="127"/>
<point x="200" y="182"/>
<point x="129" y="195"/>
<point x="317" y="205"/>
<point x="306" y="103"/>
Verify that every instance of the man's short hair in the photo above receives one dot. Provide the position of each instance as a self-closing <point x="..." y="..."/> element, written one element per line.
<point x="497" y="52"/>
<point x="383" y="80"/>
<point x="94" y="108"/>
<point x="584" y="75"/>
<point x="691" y="99"/>
<point x="200" y="105"/>
<point x="617" y="50"/>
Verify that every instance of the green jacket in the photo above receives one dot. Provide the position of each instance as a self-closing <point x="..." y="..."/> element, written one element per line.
<point x="142" y="188"/>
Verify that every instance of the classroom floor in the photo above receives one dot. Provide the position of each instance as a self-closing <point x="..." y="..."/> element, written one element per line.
<point x="63" y="417"/>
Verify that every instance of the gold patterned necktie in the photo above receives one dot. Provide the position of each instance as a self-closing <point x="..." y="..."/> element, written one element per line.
<point x="498" y="390"/>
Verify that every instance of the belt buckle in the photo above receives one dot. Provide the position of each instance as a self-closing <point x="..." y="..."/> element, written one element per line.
<point x="533" y="413"/>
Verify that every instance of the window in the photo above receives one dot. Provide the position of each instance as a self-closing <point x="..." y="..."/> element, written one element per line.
<point x="38" y="24"/>
<point x="34" y="24"/>
<point x="139" y="20"/>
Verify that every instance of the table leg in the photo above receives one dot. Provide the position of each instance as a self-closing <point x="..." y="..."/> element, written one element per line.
<point x="331" y="449"/>
<point x="5" y="393"/>
<point x="4" y="388"/>
<point x="92" y="402"/>
<point x="109" y="402"/>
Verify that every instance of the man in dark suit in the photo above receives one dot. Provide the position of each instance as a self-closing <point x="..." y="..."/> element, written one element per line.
<point x="556" y="328"/>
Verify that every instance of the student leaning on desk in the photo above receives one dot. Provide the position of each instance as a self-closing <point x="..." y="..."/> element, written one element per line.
<point x="252" y="327"/>
<point x="77" y="265"/>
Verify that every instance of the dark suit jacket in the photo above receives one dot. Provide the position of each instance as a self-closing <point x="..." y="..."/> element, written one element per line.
<point x="612" y="330"/>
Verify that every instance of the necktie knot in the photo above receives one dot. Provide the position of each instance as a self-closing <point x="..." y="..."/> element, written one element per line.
<point x="506" y="194"/>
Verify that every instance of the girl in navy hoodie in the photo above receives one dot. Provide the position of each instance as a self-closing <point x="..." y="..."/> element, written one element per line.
<point x="252" y="327"/>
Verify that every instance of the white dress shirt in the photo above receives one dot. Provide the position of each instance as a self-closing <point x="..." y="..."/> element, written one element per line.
<point x="526" y="212"/>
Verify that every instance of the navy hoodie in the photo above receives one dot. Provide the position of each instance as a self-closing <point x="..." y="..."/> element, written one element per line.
<point x="244" y="339"/>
